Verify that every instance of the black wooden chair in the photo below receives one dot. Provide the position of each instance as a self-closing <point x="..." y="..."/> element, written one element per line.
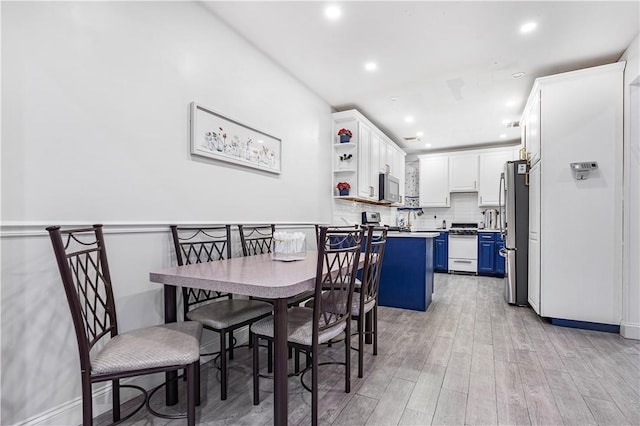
<point x="217" y="311"/>
<point x="330" y="316"/>
<point x="366" y="298"/>
<point x="82" y="261"/>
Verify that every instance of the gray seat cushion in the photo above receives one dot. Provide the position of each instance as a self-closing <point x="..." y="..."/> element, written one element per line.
<point x="355" y="306"/>
<point x="177" y="343"/>
<point x="228" y="313"/>
<point x="299" y="327"/>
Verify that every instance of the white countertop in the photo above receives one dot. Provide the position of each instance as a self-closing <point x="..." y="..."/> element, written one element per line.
<point x="412" y="234"/>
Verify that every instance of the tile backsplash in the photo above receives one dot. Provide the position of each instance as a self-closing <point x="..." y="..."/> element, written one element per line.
<point x="464" y="208"/>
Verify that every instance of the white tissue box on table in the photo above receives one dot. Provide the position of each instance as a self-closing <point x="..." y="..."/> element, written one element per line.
<point x="288" y="247"/>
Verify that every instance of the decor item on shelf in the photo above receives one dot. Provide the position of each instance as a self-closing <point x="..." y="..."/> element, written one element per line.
<point x="345" y="160"/>
<point x="345" y="135"/>
<point x="343" y="187"/>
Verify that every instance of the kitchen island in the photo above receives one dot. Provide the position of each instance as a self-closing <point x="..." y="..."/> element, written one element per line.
<point x="406" y="278"/>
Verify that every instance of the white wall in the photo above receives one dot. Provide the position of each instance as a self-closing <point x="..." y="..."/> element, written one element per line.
<point x="95" y="130"/>
<point x="630" y="326"/>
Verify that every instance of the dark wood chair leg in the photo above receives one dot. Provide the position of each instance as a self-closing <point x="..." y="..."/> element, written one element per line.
<point x="197" y="384"/>
<point x="314" y="385"/>
<point x="360" y="345"/>
<point x="347" y="358"/>
<point x="308" y="364"/>
<point x="296" y="360"/>
<point x="192" y="381"/>
<point x="256" y="370"/>
<point x="250" y="339"/>
<point x="375" y="329"/>
<point x="87" y="402"/>
<point x="270" y="356"/>
<point x="223" y="366"/>
<point x="230" y="344"/>
<point x="115" y="384"/>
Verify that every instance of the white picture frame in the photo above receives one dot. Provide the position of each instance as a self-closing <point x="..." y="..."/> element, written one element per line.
<point x="224" y="139"/>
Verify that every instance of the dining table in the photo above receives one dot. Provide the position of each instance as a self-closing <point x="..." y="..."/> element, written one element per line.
<point x="257" y="276"/>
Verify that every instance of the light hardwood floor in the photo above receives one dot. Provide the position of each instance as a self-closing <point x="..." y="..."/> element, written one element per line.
<point x="470" y="359"/>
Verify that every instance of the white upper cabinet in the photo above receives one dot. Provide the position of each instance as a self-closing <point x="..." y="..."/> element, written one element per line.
<point x="374" y="162"/>
<point x="532" y="129"/>
<point x="390" y="157"/>
<point x="463" y="173"/>
<point x="397" y="169"/>
<point x="491" y="166"/>
<point x="434" y="181"/>
<point x="370" y="152"/>
<point x="365" y="187"/>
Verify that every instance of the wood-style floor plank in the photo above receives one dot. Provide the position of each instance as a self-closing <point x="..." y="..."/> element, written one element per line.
<point x="470" y="359"/>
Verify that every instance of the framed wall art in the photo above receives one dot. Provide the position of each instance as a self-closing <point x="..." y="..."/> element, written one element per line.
<point x="215" y="136"/>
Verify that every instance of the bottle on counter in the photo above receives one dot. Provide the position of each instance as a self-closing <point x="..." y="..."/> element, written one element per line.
<point x="444" y="224"/>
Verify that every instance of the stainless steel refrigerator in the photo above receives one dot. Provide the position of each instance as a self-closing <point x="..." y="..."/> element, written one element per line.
<point x="514" y="228"/>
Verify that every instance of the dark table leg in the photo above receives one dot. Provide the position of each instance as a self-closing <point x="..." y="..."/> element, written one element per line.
<point x="281" y="393"/>
<point x="368" y="328"/>
<point x="170" y="315"/>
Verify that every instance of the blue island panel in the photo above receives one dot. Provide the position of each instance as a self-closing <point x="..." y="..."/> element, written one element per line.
<point x="406" y="278"/>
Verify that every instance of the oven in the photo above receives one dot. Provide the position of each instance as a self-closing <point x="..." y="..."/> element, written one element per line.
<point x="463" y="247"/>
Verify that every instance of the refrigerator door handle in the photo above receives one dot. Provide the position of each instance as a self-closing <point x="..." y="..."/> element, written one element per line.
<point x="500" y="205"/>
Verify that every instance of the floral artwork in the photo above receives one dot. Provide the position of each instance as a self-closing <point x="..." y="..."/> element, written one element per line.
<point x="221" y="138"/>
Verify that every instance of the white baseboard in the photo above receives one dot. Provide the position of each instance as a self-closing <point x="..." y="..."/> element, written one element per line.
<point x="630" y="330"/>
<point x="70" y="412"/>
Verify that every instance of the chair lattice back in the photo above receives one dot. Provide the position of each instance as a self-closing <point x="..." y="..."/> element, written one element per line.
<point x="197" y="245"/>
<point x="374" y="253"/>
<point x="256" y="239"/>
<point x="334" y="227"/>
<point x="83" y="266"/>
<point x="338" y="257"/>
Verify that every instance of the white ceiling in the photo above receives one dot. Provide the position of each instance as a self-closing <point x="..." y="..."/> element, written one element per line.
<point x="449" y="64"/>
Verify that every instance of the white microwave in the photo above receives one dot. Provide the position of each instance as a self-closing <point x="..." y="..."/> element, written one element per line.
<point x="389" y="189"/>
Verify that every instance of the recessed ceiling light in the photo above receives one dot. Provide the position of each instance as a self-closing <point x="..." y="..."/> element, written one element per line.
<point x="519" y="74"/>
<point x="418" y="134"/>
<point x="510" y="103"/>
<point x="332" y="12"/>
<point x="504" y="135"/>
<point x="408" y="119"/>
<point x="370" y="66"/>
<point x="528" y="27"/>
<point x="428" y="145"/>
<point x="505" y="121"/>
<point x="394" y="98"/>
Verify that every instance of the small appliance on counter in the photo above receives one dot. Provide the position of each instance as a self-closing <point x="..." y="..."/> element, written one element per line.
<point x="491" y="219"/>
<point x="371" y="218"/>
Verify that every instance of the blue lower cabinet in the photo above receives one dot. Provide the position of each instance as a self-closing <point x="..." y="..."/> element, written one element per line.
<point x="489" y="260"/>
<point x="441" y="252"/>
<point x="406" y="277"/>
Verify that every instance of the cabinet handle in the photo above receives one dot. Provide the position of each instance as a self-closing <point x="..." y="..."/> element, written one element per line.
<point x="474" y="184"/>
<point x="481" y="199"/>
<point x="487" y="237"/>
<point x="462" y="261"/>
<point x="446" y="200"/>
<point x="371" y="191"/>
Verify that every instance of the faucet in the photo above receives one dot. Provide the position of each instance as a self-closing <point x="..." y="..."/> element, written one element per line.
<point x="409" y="213"/>
<point x="415" y="216"/>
